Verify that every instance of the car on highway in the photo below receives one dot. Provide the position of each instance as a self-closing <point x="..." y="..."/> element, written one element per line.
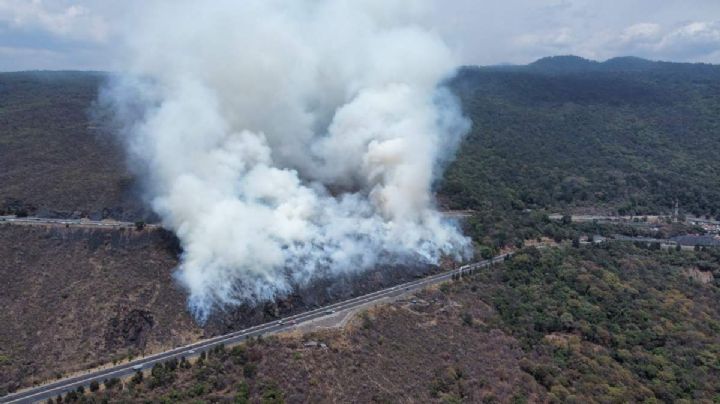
<point x="316" y="311"/>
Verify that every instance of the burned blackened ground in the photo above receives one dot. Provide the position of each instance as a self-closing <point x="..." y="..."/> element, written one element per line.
<point x="78" y="298"/>
<point x="75" y="298"/>
<point x="433" y="347"/>
<point x="129" y="329"/>
<point x="319" y="293"/>
<point x="603" y="323"/>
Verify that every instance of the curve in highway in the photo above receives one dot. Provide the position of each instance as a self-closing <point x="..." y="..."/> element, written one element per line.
<point x="60" y="387"/>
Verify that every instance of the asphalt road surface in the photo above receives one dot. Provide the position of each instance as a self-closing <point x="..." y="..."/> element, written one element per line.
<point x="43" y="392"/>
<point x="32" y="220"/>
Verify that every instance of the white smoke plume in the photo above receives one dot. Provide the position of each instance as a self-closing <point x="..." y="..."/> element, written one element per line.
<point x="286" y="140"/>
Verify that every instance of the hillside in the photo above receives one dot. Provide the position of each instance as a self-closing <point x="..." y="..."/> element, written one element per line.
<point x="594" y="324"/>
<point x="564" y="134"/>
<point x="625" y="136"/>
<point x="54" y="160"/>
<point x="77" y="298"/>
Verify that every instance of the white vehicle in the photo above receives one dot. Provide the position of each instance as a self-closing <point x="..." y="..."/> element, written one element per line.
<point x="192" y="351"/>
<point x="137" y="367"/>
<point x="281" y="322"/>
<point x="329" y="311"/>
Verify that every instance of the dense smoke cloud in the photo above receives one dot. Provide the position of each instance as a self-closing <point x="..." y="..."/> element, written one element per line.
<point x="284" y="140"/>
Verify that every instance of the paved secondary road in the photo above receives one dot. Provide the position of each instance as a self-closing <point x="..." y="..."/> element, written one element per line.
<point x="611" y="219"/>
<point x="46" y="391"/>
<point x="33" y="220"/>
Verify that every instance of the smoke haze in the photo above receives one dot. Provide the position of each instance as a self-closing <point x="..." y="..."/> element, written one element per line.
<point x="286" y="140"/>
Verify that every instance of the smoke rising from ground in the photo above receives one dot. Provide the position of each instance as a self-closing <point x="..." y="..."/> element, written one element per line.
<point x="285" y="140"/>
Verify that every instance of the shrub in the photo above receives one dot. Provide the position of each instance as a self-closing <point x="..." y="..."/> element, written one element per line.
<point x="249" y="370"/>
<point x="467" y="318"/>
<point x="272" y="395"/>
<point x="197" y="390"/>
<point x="161" y="375"/>
<point x="239" y="355"/>
<point x="110" y="383"/>
<point x="184" y="363"/>
<point x="138" y="377"/>
<point x="220" y="350"/>
<point x="243" y="394"/>
<point x="366" y="320"/>
<point x="171" y="365"/>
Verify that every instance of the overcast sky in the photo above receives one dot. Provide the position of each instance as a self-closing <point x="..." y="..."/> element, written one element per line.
<point x="65" y="34"/>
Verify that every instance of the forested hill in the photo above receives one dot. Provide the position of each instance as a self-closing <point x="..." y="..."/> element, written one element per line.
<point x="563" y="133"/>
<point x="627" y="135"/>
<point x="54" y="159"/>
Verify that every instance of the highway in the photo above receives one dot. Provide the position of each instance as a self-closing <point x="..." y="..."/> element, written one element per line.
<point x="53" y="389"/>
